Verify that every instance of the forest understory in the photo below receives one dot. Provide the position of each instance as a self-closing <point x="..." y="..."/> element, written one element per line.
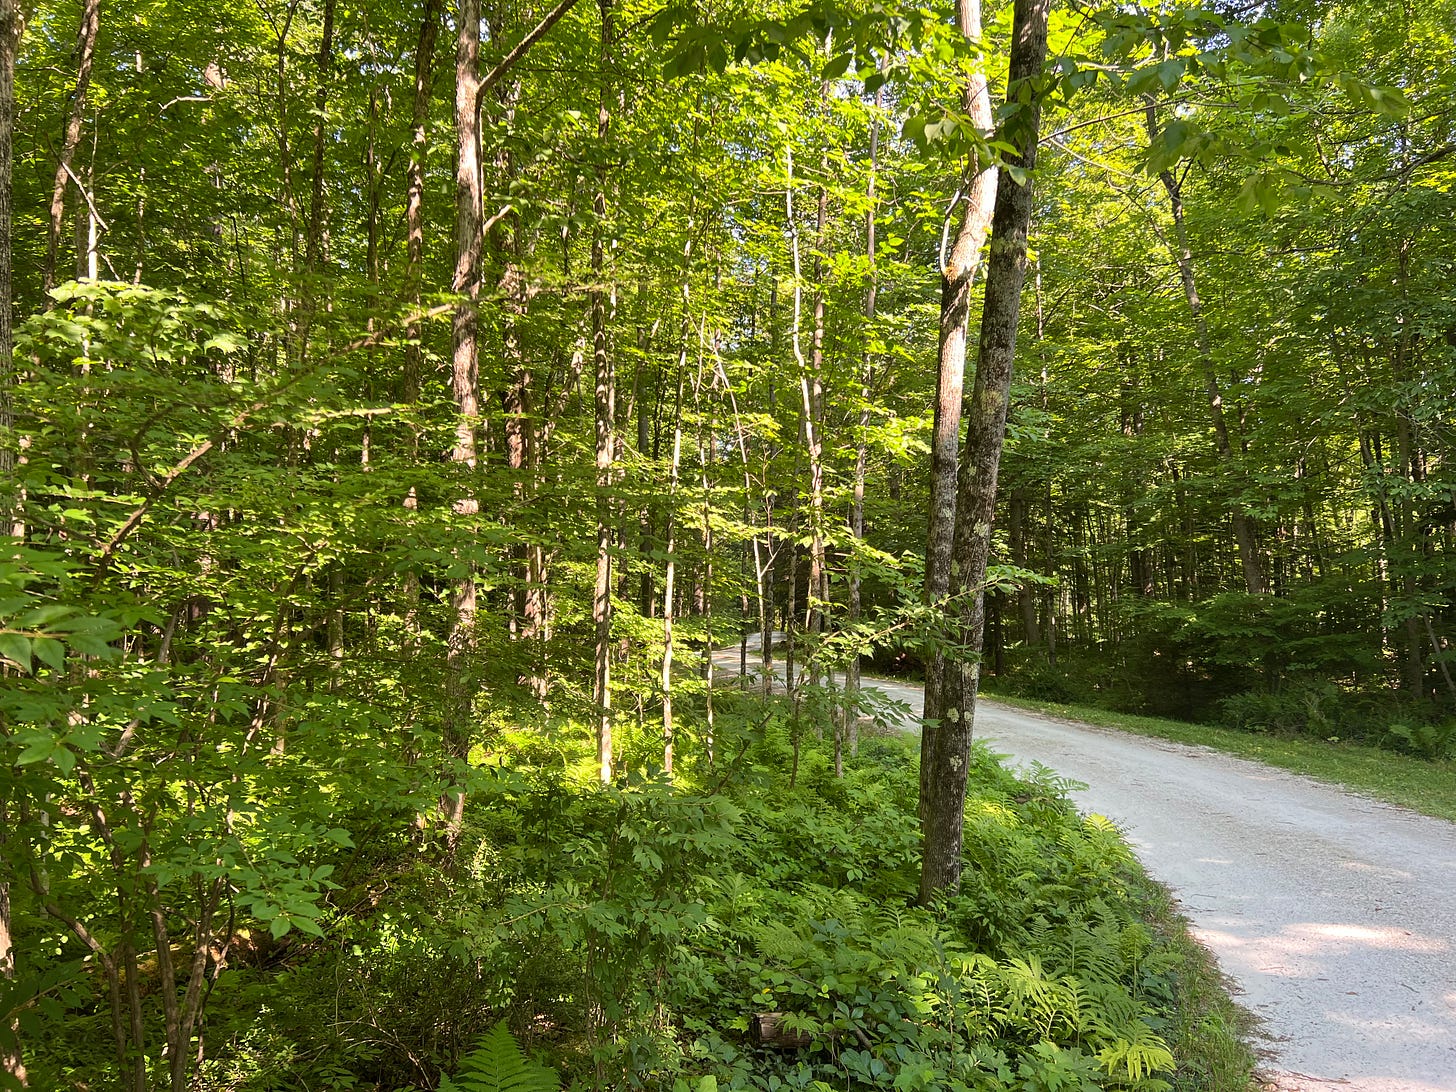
<point x="633" y="937"/>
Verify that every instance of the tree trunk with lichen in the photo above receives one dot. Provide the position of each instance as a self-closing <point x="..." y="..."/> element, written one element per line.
<point x="460" y="639"/>
<point x="943" y="782"/>
<point x="958" y="273"/>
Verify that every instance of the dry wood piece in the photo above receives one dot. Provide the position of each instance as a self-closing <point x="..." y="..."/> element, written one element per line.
<point x="768" y="1030"/>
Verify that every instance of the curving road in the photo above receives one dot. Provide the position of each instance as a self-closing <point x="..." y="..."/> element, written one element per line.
<point x="1334" y="914"/>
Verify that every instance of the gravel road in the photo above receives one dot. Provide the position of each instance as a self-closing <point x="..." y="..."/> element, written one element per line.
<point x="1334" y="914"/>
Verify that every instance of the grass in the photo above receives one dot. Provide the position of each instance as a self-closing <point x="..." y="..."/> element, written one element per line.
<point x="1210" y="1033"/>
<point x="1415" y="783"/>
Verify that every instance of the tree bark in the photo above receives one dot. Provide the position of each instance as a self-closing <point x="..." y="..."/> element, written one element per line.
<point x="944" y="783"/>
<point x="85" y="56"/>
<point x="414" y="210"/>
<point x="605" y="399"/>
<point x="464" y="386"/>
<point x="958" y="273"/>
<point x="12" y="26"/>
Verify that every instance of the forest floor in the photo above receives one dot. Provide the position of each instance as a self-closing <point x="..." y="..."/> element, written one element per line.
<point x="1334" y="915"/>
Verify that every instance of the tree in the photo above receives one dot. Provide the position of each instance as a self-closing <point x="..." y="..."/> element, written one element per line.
<point x="945" y="784"/>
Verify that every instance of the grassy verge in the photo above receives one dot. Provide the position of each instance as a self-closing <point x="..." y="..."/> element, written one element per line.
<point x="1426" y="787"/>
<point x="1209" y="1032"/>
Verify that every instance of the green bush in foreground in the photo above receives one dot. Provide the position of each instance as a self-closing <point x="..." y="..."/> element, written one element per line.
<point x="631" y="936"/>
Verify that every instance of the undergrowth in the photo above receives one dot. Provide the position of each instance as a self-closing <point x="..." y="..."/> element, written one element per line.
<point x="630" y="938"/>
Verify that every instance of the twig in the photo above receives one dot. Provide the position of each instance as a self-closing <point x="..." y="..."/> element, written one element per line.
<point x="494" y="76"/>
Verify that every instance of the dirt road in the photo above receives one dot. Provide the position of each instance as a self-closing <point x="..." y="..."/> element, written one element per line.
<point x="1334" y="914"/>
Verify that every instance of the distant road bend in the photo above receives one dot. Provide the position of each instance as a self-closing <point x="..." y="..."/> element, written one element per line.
<point x="1334" y="914"/>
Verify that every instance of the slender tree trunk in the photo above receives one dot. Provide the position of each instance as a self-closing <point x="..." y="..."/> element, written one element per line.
<point x="605" y="410"/>
<point x="314" y="240"/>
<point x="705" y="463"/>
<point x="1413" y="544"/>
<point x="977" y="200"/>
<point x="805" y="438"/>
<point x="12" y="26"/>
<point x="464" y="386"/>
<point x="944" y="788"/>
<point x="812" y="390"/>
<point x="1025" y="595"/>
<point x="414" y="209"/>
<point x="1245" y="540"/>
<point x="646" y="584"/>
<point x="857" y="496"/>
<point x="669" y="580"/>
<point x="414" y="217"/>
<point x="85" y="56"/>
<point x="768" y="452"/>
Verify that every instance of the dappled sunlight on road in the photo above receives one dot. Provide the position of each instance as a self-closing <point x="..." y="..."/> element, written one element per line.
<point x="1300" y="1082"/>
<point x="1400" y="939"/>
<point x="1300" y="949"/>
<point x="1376" y="870"/>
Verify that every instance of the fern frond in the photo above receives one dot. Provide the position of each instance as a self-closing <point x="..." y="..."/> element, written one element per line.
<point x="498" y="1065"/>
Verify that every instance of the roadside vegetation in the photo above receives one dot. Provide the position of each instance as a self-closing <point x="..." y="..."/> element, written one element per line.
<point x="637" y="936"/>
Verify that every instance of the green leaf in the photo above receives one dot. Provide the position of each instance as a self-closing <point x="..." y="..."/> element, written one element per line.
<point x="224" y="342"/>
<point x="49" y="652"/>
<point x="39" y="751"/>
<point x="837" y="67"/>
<point x="15" y="649"/>
<point x="498" y="1065"/>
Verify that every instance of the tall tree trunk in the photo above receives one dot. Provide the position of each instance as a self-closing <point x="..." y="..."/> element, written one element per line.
<point x="1244" y="538"/>
<point x="605" y="405"/>
<point x="414" y="210"/>
<point x="805" y="437"/>
<point x="669" y="517"/>
<point x="414" y="216"/>
<point x="977" y="199"/>
<point x="705" y="431"/>
<point x="669" y="545"/>
<point x="464" y="383"/>
<point x="1025" y="595"/>
<point x="857" y="495"/>
<point x="12" y="26"/>
<point x="812" y="391"/>
<point x="314" y="239"/>
<point x="646" y="584"/>
<point x="85" y="56"/>
<point x="944" y="786"/>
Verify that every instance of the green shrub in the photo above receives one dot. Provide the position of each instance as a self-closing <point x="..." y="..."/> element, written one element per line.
<point x="1428" y="741"/>
<point x="630" y="934"/>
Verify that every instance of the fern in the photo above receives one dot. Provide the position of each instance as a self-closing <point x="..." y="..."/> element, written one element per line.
<point x="498" y="1065"/>
<point x="1138" y="1057"/>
